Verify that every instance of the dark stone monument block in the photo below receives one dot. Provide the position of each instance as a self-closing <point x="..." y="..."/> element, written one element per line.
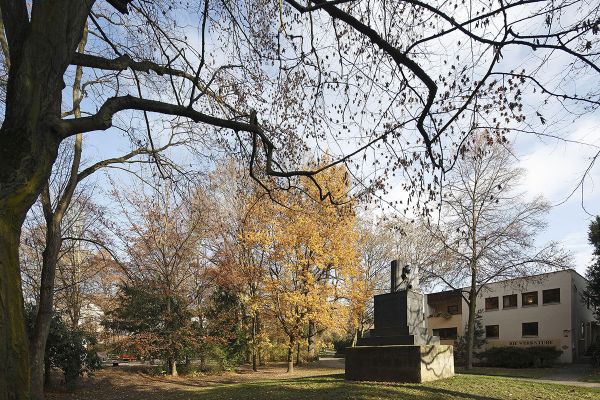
<point x="410" y="364"/>
<point x="398" y="348"/>
<point x="399" y="319"/>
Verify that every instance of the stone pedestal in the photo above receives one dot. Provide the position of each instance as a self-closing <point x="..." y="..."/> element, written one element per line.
<point x="398" y="348"/>
<point x="410" y="364"/>
<point x="399" y="319"/>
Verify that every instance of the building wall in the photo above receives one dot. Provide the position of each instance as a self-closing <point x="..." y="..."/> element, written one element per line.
<point x="445" y="312"/>
<point x="559" y="324"/>
<point x="452" y="321"/>
<point x="553" y="319"/>
<point x="582" y="318"/>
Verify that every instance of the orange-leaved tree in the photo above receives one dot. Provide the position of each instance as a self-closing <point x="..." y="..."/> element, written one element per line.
<point x="314" y="251"/>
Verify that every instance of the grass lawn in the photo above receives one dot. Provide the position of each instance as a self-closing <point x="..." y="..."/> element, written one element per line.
<point x="459" y="387"/>
<point x="593" y="376"/>
<point x="109" y="386"/>
<point x="531" y="373"/>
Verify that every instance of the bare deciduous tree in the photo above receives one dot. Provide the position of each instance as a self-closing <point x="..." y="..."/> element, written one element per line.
<point x="163" y="242"/>
<point x="488" y="228"/>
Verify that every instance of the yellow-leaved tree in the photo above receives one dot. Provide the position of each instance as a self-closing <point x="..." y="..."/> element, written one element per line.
<point x="313" y="256"/>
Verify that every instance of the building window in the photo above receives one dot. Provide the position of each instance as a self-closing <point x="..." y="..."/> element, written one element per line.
<point x="446" y="333"/>
<point x="530" y="328"/>
<point x="551" y="296"/>
<point x="492" y="331"/>
<point x="509" y="301"/>
<point x="453" y="309"/>
<point x="491" y="303"/>
<point x="530" y="299"/>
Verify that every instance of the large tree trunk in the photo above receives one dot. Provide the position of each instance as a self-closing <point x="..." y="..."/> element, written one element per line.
<point x="37" y="343"/>
<point x="40" y="52"/>
<point x="14" y="365"/>
<point x="471" y="327"/>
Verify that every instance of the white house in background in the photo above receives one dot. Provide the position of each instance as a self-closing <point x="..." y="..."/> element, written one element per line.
<point x="541" y="310"/>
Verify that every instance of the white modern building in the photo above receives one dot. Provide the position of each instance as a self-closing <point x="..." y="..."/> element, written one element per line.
<point x="541" y="310"/>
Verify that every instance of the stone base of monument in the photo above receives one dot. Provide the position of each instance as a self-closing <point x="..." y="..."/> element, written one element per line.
<point x="399" y="363"/>
<point x="398" y="349"/>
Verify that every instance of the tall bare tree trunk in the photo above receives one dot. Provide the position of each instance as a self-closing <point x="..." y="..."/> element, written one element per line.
<point x="54" y="218"/>
<point x="471" y="326"/>
<point x="47" y="374"/>
<point x="37" y="343"/>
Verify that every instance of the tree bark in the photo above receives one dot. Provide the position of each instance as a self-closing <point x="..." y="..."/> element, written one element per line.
<point x="354" y="337"/>
<point x="290" y="356"/>
<point x="40" y="52"/>
<point x="298" y="362"/>
<point x="312" y="348"/>
<point x="47" y="373"/>
<point x="54" y="218"/>
<point x="471" y="327"/>
<point x="172" y="366"/>
<point x="254" y="344"/>
<point x="14" y="366"/>
<point x="37" y="344"/>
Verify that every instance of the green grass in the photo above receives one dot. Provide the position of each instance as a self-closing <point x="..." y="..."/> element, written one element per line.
<point x="531" y="373"/>
<point x="334" y="387"/>
<point x="593" y="376"/>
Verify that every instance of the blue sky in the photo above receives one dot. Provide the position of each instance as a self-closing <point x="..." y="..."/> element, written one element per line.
<point x="553" y="167"/>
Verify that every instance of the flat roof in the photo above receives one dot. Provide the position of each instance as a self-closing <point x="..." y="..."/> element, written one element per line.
<point x="450" y="292"/>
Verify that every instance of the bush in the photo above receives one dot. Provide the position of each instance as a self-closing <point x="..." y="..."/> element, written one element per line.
<point x="187" y="368"/>
<point x="340" y="345"/>
<point x="72" y="351"/>
<point x="69" y="349"/>
<point x="594" y="352"/>
<point x="506" y="357"/>
<point x="544" y="356"/>
<point x="516" y="357"/>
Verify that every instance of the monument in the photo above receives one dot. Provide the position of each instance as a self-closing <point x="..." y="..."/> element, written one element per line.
<point x="398" y="348"/>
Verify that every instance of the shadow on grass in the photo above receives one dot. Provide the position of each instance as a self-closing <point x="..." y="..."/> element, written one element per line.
<point x="322" y="387"/>
<point x="335" y="387"/>
<point x="313" y="388"/>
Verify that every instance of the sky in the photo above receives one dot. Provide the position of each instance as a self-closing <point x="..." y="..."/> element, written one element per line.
<point x="552" y="167"/>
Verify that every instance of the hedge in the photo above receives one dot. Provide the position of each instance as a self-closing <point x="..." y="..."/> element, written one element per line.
<point x="517" y="357"/>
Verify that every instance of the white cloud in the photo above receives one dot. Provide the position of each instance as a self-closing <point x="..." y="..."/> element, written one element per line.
<point x="555" y="167"/>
